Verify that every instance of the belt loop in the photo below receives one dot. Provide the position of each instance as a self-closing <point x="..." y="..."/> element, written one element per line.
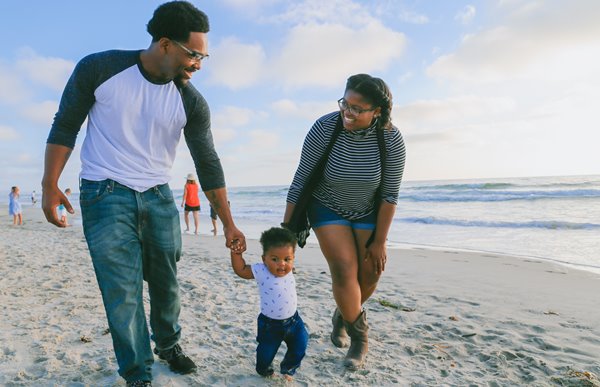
<point x="111" y="185"/>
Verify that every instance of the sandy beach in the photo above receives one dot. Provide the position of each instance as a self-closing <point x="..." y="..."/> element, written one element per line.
<point x="439" y="317"/>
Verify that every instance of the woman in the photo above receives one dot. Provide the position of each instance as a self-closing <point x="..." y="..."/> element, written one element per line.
<point x="191" y="202"/>
<point x="350" y="171"/>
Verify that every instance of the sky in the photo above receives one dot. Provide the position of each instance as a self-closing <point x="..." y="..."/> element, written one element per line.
<point x="481" y="89"/>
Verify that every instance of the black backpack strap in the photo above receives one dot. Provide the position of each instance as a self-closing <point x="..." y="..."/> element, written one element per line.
<point x="298" y="222"/>
<point x="382" y="158"/>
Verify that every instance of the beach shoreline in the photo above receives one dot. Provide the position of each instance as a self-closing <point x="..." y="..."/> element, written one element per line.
<point x="439" y="317"/>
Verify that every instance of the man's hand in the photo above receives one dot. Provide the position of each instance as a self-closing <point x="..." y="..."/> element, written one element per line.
<point x="52" y="198"/>
<point x="235" y="239"/>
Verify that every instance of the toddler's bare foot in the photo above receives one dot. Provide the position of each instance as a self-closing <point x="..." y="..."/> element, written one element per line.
<point x="288" y="378"/>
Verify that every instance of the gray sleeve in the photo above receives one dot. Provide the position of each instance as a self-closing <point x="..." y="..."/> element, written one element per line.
<point x="198" y="137"/>
<point x="78" y="97"/>
<point x="75" y="103"/>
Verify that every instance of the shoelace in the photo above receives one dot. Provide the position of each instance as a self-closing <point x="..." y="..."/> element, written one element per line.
<point x="177" y="351"/>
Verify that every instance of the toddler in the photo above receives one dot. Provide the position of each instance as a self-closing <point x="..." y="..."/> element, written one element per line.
<point x="278" y="319"/>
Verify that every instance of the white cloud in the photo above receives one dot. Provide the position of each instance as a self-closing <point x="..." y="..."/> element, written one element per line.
<point x="24" y="158"/>
<point x="460" y="110"/>
<point x="12" y="90"/>
<point x="226" y="121"/>
<point x="235" y="64"/>
<point x="233" y="116"/>
<point x="262" y="140"/>
<point x="318" y="47"/>
<point x="223" y="135"/>
<point x="48" y="71"/>
<point x="405" y="77"/>
<point x="325" y="55"/>
<point x="7" y="133"/>
<point x="558" y="41"/>
<point x="305" y="110"/>
<point x="41" y="113"/>
<point x="323" y="12"/>
<point x="466" y="15"/>
<point x="397" y="10"/>
<point x="249" y="6"/>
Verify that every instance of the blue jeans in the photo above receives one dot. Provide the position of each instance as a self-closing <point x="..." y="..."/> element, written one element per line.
<point x="134" y="236"/>
<point x="270" y="335"/>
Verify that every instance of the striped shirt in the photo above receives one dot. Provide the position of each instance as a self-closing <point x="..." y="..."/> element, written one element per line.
<point x="353" y="170"/>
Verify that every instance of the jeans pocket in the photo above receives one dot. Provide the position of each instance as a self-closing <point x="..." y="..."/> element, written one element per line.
<point x="263" y="328"/>
<point x="164" y="192"/>
<point x="91" y="192"/>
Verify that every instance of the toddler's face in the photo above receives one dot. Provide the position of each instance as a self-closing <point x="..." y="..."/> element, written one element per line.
<point x="279" y="260"/>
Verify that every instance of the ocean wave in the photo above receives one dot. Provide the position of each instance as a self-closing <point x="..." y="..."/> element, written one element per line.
<point x="506" y="185"/>
<point x="539" y="224"/>
<point x="256" y="191"/>
<point x="498" y="196"/>
<point x="459" y="187"/>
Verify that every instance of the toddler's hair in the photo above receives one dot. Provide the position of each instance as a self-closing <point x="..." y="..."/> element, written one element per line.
<point x="277" y="237"/>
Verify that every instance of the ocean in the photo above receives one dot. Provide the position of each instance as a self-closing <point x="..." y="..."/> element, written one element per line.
<point x="547" y="218"/>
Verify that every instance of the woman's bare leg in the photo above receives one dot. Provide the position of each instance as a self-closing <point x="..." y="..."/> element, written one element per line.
<point x="186" y="217"/>
<point x="339" y="248"/>
<point x="195" y="214"/>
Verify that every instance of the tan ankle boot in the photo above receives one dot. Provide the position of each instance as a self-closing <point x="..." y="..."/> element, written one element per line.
<point x="339" y="336"/>
<point x="358" y="331"/>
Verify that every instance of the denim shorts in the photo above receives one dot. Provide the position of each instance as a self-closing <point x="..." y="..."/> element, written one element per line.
<point x="320" y="215"/>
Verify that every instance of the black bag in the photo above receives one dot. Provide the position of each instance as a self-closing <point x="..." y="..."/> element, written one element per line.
<point x="298" y="223"/>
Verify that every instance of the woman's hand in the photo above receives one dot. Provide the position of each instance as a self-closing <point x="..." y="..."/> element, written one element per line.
<point x="377" y="254"/>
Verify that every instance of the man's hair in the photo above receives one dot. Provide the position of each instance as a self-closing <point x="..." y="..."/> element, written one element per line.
<point x="277" y="237"/>
<point x="175" y="20"/>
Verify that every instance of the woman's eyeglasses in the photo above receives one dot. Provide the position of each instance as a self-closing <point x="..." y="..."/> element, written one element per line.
<point x="343" y="104"/>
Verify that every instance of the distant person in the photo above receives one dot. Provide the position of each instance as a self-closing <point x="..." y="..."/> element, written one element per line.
<point x="33" y="198"/>
<point x="278" y="320"/>
<point x="14" y="206"/>
<point x="347" y="185"/>
<point x="62" y="210"/>
<point x="138" y="105"/>
<point x="213" y="218"/>
<point x="190" y="202"/>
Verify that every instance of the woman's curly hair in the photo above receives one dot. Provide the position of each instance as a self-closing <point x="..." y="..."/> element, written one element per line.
<point x="377" y="92"/>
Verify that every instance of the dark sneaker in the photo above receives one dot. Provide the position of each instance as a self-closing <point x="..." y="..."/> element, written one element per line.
<point x="178" y="361"/>
<point x="139" y="383"/>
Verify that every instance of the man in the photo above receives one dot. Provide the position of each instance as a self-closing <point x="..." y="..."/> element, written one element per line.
<point x="137" y="103"/>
